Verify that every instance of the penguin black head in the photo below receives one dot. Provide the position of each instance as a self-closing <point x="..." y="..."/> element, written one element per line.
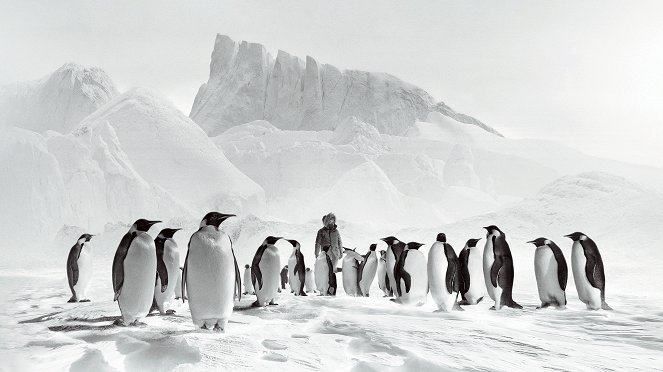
<point x="246" y="266"/>
<point x="271" y="240"/>
<point x="85" y="238"/>
<point x="492" y="229"/>
<point x="168" y="233"/>
<point x="143" y="225"/>
<point x="390" y="240"/>
<point x="442" y="238"/>
<point x="413" y="245"/>
<point x="295" y="244"/>
<point x="576" y="236"/>
<point x="373" y="247"/>
<point x="214" y="219"/>
<point x="308" y="269"/>
<point x="540" y="242"/>
<point x="471" y="243"/>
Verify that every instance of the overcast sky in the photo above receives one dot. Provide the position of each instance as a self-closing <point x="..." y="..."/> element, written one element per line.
<point x="589" y="74"/>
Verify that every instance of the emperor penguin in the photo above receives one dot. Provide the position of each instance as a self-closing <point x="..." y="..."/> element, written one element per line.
<point x="309" y="281"/>
<point x="297" y="269"/>
<point x="211" y="277"/>
<point x="472" y="288"/>
<point x="367" y="270"/>
<point x="168" y="267"/>
<point x="588" y="272"/>
<point x="350" y="268"/>
<point x="134" y="267"/>
<point x="498" y="269"/>
<point x="410" y="276"/>
<point x="178" y="287"/>
<point x="551" y="273"/>
<point x="248" y="286"/>
<point x="79" y="269"/>
<point x="444" y="274"/>
<point x="383" y="279"/>
<point x="265" y="270"/>
<point x="394" y="249"/>
<point x="325" y="274"/>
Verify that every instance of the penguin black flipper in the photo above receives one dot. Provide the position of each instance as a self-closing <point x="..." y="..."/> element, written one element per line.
<point x="72" y="267"/>
<point x="400" y="273"/>
<point x="594" y="267"/>
<point x="238" y="277"/>
<point x="451" y="277"/>
<point x="162" y="271"/>
<point x="118" y="263"/>
<point x="562" y="268"/>
<point x="495" y="270"/>
<point x="463" y="261"/>
<point x="256" y="274"/>
<point x="300" y="270"/>
<point x="185" y="270"/>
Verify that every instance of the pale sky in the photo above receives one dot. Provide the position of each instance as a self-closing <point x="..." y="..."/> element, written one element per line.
<point x="588" y="74"/>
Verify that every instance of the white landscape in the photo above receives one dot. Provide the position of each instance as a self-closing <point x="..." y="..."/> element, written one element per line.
<point x="281" y="141"/>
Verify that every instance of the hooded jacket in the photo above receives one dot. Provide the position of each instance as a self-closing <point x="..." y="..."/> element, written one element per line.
<point x="329" y="236"/>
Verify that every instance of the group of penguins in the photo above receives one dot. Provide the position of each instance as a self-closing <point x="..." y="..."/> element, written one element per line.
<point x="146" y="273"/>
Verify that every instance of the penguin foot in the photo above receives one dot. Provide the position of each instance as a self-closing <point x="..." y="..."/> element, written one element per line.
<point x="303" y="294"/>
<point x="170" y="312"/>
<point x="72" y="300"/>
<point x="543" y="306"/>
<point x="605" y="306"/>
<point x="272" y="303"/>
<point x="137" y="323"/>
<point x="85" y="300"/>
<point x="492" y="308"/>
<point x="464" y="302"/>
<point x="457" y="307"/>
<point x="514" y="305"/>
<point x="217" y="328"/>
<point x="119" y="322"/>
<point x="256" y="304"/>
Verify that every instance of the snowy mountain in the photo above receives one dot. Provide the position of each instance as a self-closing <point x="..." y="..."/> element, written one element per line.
<point x="247" y="84"/>
<point x="57" y="102"/>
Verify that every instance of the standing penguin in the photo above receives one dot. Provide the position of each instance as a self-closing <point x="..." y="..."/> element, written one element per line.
<point x="265" y="271"/>
<point x="444" y="274"/>
<point x="284" y="277"/>
<point x="394" y="249"/>
<point x="367" y="270"/>
<point x="134" y="265"/>
<point x="383" y="279"/>
<point x="551" y="273"/>
<point x="178" y="287"/>
<point x="588" y="272"/>
<point x="248" y="286"/>
<point x="472" y="288"/>
<point x="168" y="269"/>
<point x="79" y="269"/>
<point x="297" y="269"/>
<point x="498" y="269"/>
<point x="211" y="277"/>
<point x="350" y="269"/>
<point x="325" y="275"/>
<point x="410" y="276"/>
<point x="309" y="281"/>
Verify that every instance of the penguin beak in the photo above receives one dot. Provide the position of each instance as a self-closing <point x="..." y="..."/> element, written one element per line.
<point x="153" y="222"/>
<point x="487" y="228"/>
<point x="570" y="236"/>
<point x="532" y="241"/>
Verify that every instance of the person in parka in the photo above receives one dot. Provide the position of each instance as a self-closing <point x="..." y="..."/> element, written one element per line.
<point x="329" y="235"/>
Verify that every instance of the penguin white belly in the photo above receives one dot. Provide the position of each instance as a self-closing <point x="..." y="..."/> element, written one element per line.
<point x="248" y="285"/>
<point x="349" y="274"/>
<point x="547" y="280"/>
<point x="293" y="279"/>
<point x="140" y="267"/>
<point x="368" y="274"/>
<point x="171" y="258"/>
<point x="477" y="288"/>
<point x="84" y="274"/>
<point x="488" y="260"/>
<point x="415" y="265"/>
<point x="437" y="274"/>
<point x="391" y="262"/>
<point x="382" y="272"/>
<point x="178" y="287"/>
<point x="309" y="282"/>
<point x="270" y="267"/>
<point x="322" y="274"/>
<point x="589" y="295"/>
<point x="210" y="282"/>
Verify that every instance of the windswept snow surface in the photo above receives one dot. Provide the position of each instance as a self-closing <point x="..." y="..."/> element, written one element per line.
<point x="40" y="331"/>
